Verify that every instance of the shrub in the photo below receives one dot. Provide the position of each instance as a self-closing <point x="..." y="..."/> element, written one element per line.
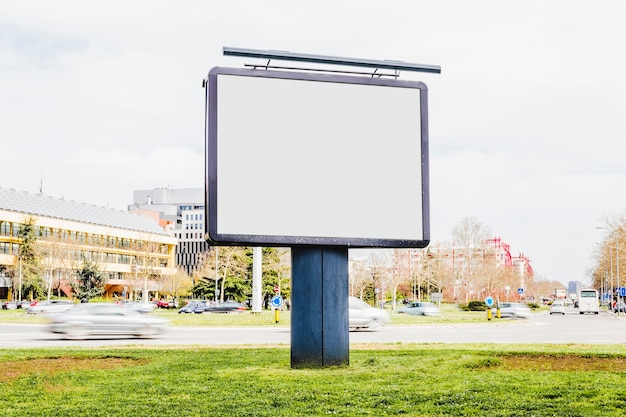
<point x="477" y="306"/>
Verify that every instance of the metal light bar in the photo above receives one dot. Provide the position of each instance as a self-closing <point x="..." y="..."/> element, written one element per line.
<point x="324" y="59"/>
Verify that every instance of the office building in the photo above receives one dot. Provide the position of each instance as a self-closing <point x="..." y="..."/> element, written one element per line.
<point x="131" y="250"/>
<point x="181" y="212"/>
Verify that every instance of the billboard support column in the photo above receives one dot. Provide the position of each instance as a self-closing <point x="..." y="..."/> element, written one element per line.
<point x="319" y="316"/>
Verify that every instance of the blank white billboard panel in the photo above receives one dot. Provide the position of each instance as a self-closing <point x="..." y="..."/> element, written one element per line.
<point x="312" y="159"/>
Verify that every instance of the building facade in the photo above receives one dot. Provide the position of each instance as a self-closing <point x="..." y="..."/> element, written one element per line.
<point x="182" y="213"/>
<point x="132" y="251"/>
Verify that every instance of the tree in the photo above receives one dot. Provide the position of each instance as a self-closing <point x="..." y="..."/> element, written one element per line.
<point x="89" y="281"/>
<point x="276" y="272"/>
<point x="233" y="279"/>
<point x="234" y="264"/>
<point x="177" y="284"/>
<point x="378" y="267"/>
<point x="30" y="281"/>
<point x="359" y="278"/>
<point x="147" y="260"/>
<point x="469" y="236"/>
<point x="57" y="263"/>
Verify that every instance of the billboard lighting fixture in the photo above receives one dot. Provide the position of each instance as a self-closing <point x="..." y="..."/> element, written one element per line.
<point x="325" y="59"/>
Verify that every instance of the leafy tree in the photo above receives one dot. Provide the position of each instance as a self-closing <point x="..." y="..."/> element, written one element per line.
<point x="32" y="283"/>
<point x="275" y="272"/>
<point x="89" y="281"/>
<point x="234" y="274"/>
<point x="233" y="266"/>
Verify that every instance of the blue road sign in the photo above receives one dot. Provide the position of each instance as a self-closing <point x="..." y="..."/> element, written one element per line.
<point x="277" y="301"/>
<point x="520" y="291"/>
<point x="622" y="291"/>
<point x="489" y="301"/>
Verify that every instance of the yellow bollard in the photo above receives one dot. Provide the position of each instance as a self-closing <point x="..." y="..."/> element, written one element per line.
<point x="488" y="313"/>
<point x="498" y="313"/>
<point x="276" y="315"/>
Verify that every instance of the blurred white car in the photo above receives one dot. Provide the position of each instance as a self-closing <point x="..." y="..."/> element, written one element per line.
<point x="557" y="307"/>
<point x="140" y="306"/>
<point x="49" y="306"/>
<point x="514" y="310"/>
<point x="420" y="308"/>
<point x="364" y="316"/>
<point x="104" y="319"/>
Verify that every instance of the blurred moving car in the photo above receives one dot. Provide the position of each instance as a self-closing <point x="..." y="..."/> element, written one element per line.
<point x="514" y="310"/>
<point x="49" y="306"/>
<point x="194" y="306"/>
<point x="419" y="308"/>
<point x="364" y="316"/>
<point x="225" y="307"/>
<point x="139" y="306"/>
<point x="557" y="307"/>
<point x="98" y="319"/>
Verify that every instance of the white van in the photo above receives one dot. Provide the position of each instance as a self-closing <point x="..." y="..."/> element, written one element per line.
<point x="588" y="301"/>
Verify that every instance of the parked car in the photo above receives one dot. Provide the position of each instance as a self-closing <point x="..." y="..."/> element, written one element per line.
<point x="419" y="308"/>
<point x="557" y="307"/>
<point x="49" y="306"/>
<point x="363" y="316"/>
<point x="97" y="319"/>
<point x="166" y="304"/>
<point x="12" y="305"/>
<point x="514" y="310"/>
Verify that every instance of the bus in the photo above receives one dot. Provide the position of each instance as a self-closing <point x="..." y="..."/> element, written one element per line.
<point x="588" y="301"/>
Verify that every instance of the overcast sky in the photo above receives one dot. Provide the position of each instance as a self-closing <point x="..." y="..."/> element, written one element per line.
<point x="527" y="118"/>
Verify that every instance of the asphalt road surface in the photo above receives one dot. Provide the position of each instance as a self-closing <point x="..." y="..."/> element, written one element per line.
<point x="604" y="328"/>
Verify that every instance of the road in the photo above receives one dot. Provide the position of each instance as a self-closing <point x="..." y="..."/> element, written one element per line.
<point x="604" y="328"/>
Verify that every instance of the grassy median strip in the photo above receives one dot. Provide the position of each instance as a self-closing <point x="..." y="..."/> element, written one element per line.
<point x="387" y="380"/>
<point x="450" y="313"/>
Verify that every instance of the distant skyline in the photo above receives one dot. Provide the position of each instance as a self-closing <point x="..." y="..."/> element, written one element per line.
<point x="526" y="119"/>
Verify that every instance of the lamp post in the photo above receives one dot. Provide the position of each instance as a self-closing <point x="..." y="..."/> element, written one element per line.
<point x="217" y="274"/>
<point x="619" y="289"/>
<point x="19" y="288"/>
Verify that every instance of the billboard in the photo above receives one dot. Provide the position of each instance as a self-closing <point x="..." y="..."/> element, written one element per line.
<point x="299" y="158"/>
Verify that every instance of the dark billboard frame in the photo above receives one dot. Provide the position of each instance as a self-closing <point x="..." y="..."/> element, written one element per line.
<point x="220" y="235"/>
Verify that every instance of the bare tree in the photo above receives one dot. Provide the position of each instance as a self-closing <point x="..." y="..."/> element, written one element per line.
<point x="359" y="279"/>
<point x="379" y="263"/>
<point x="177" y="284"/>
<point x="146" y="261"/>
<point x="469" y="236"/>
<point x="395" y="277"/>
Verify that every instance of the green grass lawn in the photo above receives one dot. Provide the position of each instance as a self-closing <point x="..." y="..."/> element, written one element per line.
<point x="391" y="380"/>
